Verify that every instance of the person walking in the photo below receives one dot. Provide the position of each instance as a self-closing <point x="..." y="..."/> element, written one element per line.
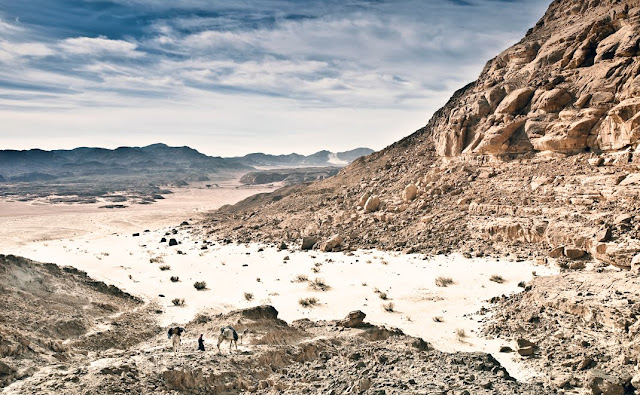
<point x="200" y="343"/>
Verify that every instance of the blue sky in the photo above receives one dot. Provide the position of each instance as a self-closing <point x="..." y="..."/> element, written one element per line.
<point x="232" y="77"/>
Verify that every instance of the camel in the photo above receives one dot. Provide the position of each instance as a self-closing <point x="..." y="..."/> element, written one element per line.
<point x="176" y="333"/>
<point x="230" y="334"/>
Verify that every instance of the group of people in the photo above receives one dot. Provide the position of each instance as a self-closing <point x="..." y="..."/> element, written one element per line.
<point x="226" y="333"/>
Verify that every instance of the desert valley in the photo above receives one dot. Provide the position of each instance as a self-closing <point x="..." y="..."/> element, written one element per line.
<point x="495" y="250"/>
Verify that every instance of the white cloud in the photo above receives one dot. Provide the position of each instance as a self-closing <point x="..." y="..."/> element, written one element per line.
<point x="99" y="46"/>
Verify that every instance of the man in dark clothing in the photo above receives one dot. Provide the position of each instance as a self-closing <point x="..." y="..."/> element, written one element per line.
<point x="200" y="343"/>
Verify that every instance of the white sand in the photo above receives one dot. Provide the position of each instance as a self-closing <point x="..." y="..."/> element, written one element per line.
<point x="408" y="280"/>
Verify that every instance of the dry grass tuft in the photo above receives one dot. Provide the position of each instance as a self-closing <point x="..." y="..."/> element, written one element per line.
<point x="165" y="267"/>
<point x="389" y="307"/>
<point x="301" y="278"/>
<point x="178" y="302"/>
<point x="318" y="284"/>
<point x="308" y="302"/>
<point x="497" y="279"/>
<point x="438" y="319"/>
<point x="175" y="279"/>
<point x="443" y="281"/>
<point x="200" y="285"/>
<point x="248" y="296"/>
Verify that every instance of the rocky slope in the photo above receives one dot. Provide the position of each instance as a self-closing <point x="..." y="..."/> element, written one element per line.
<point x="304" y="357"/>
<point x="52" y="316"/>
<point x="537" y="159"/>
<point x="543" y="142"/>
<point x="584" y="329"/>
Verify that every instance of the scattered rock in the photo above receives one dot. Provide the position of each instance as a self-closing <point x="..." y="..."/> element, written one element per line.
<point x="410" y="192"/>
<point x="333" y="242"/>
<point x="173" y="242"/>
<point x="353" y="320"/>
<point x="372" y="204"/>
<point x="308" y="242"/>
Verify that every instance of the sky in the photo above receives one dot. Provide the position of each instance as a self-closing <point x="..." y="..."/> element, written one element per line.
<point x="232" y="77"/>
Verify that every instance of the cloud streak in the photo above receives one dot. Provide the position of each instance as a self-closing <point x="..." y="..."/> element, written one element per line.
<point x="405" y="57"/>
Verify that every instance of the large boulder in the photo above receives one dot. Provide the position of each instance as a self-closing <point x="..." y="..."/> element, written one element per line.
<point x="308" y="242"/>
<point x="353" y="320"/>
<point x="363" y="199"/>
<point x="515" y="101"/>
<point x="372" y="204"/>
<point x="410" y="192"/>
<point x="331" y="244"/>
<point x="553" y="100"/>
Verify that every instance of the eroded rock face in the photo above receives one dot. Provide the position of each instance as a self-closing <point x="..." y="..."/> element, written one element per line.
<point x="570" y="85"/>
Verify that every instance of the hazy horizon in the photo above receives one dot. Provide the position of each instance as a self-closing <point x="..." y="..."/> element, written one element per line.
<point x="273" y="76"/>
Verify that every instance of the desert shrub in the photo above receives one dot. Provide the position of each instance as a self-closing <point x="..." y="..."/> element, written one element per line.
<point x="165" y="267"/>
<point x="202" y="319"/>
<point x="175" y="279"/>
<point x="389" y="307"/>
<point x="248" y="296"/>
<point x="318" y="284"/>
<point x="301" y="278"/>
<point x="308" y="302"/>
<point x="444" y="281"/>
<point x="461" y="334"/>
<point x="178" y="302"/>
<point x="315" y="269"/>
<point x="522" y="284"/>
<point x="438" y="319"/>
<point x="156" y="259"/>
<point x="200" y="285"/>
<point x="382" y="295"/>
<point x="497" y="279"/>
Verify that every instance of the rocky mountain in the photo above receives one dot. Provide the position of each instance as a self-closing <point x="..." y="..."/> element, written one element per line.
<point x="538" y="159"/>
<point x="40" y="165"/>
<point x="320" y="158"/>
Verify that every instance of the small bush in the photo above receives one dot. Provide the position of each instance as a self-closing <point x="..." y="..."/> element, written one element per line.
<point x="175" y="279"/>
<point x="156" y="259"/>
<point x="382" y="295"/>
<point x="178" y="302"/>
<point x="497" y="279"/>
<point x="165" y="267"/>
<point x="389" y="307"/>
<point x="315" y="269"/>
<point x="248" y="296"/>
<point x="308" y="302"/>
<point x="522" y="284"/>
<point x="200" y="285"/>
<point x="443" y="281"/>
<point x="438" y="319"/>
<point x="301" y="278"/>
<point x="461" y="334"/>
<point x="318" y="284"/>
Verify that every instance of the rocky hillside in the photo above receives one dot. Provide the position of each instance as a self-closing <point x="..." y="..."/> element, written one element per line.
<point x="52" y="315"/>
<point x="348" y="356"/>
<point x="536" y="157"/>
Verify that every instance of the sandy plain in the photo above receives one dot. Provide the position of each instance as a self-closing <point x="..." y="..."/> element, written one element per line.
<point x="101" y="242"/>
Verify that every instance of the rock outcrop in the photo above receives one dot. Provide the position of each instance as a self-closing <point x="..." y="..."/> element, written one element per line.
<point x="571" y="85"/>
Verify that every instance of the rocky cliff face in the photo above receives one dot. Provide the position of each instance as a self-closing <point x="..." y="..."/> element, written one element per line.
<point x="571" y="85"/>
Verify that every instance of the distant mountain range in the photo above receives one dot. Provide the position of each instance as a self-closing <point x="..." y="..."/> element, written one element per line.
<point x="320" y="158"/>
<point x="39" y="165"/>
